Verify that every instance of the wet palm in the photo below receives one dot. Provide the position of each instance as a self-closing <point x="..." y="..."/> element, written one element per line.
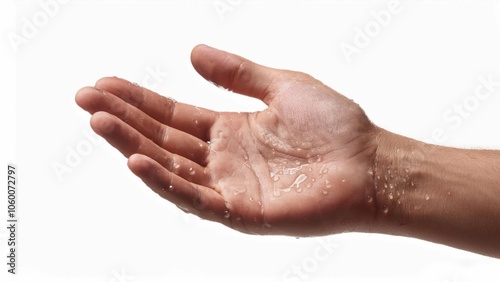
<point x="301" y="167"/>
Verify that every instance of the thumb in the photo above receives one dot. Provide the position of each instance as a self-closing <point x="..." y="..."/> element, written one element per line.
<point x="235" y="73"/>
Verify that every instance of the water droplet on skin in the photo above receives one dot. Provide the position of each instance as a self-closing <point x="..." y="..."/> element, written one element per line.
<point x="385" y="209"/>
<point x="301" y="178"/>
<point x="259" y="203"/>
<point x="286" y="190"/>
<point x="324" y="192"/>
<point x="297" y="162"/>
<point x="276" y="192"/>
<point x="391" y="186"/>
<point x="170" y="187"/>
<point x="183" y="208"/>
<point x="412" y="184"/>
<point x="313" y="179"/>
<point x="385" y="185"/>
<point x="308" y="185"/>
<point x="427" y="197"/>
<point x="391" y="196"/>
<point x="276" y="178"/>
<point x="216" y="85"/>
<point x="310" y="169"/>
<point x="322" y="170"/>
<point x="327" y="184"/>
<point x="226" y="214"/>
<point x="245" y="156"/>
<point x="239" y="190"/>
<point x="343" y="180"/>
<point x="369" y="199"/>
<point x="292" y="170"/>
<point x="176" y="165"/>
<point x="299" y="189"/>
<point x="378" y="177"/>
<point x="191" y="171"/>
<point x="251" y="199"/>
<point x="315" y="159"/>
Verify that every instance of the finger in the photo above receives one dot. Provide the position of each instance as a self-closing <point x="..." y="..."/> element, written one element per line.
<point x="129" y="141"/>
<point x="202" y="201"/>
<point x="193" y="120"/>
<point x="94" y="100"/>
<point x="235" y="73"/>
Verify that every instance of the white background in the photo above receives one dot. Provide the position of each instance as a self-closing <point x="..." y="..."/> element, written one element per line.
<point x="98" y="222"/>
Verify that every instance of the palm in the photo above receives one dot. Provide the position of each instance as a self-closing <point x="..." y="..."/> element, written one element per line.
<point x="300" y="167"/>
<point x="287" y="163"/>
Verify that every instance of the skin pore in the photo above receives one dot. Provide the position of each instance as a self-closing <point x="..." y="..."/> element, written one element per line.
<point x="310" y="164"/>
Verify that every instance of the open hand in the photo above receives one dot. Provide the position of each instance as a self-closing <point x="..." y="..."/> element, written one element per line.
<point x="301" y="167"/>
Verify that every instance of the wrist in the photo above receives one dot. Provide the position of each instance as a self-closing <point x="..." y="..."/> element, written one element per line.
<point x="399" y="175"/>
<point x="444" y="195"/>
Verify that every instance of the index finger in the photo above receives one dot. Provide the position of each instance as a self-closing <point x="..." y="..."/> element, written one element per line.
<point x="193" y="120"/>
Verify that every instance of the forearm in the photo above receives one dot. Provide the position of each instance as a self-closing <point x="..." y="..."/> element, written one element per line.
<point x="445" y="195"/>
